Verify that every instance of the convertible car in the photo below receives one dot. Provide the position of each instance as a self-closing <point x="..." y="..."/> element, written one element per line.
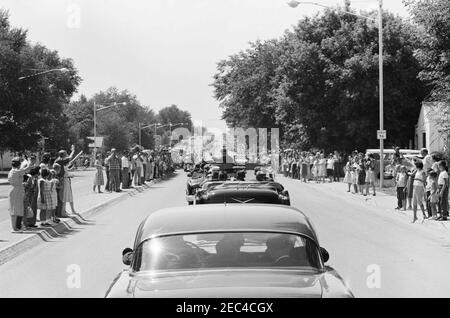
<point x="227" y="193"/>
<point x="227" y="251"/>
<point x="224" y="191"/>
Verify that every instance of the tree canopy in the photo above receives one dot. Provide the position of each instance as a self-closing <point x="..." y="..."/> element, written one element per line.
<point x="31" y="108"/>
<point x="319" y="82"/>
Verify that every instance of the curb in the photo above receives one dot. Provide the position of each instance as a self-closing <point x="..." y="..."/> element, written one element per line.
<point x="34" y="238"/>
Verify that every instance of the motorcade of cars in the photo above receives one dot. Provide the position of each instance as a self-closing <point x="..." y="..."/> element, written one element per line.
<point x="212" y="172"/>
<point x="227" y="251"/>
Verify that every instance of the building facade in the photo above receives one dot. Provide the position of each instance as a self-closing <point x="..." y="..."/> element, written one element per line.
<point x="433" y="127"/>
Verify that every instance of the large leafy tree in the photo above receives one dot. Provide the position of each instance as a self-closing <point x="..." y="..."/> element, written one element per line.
<point x="119" y="125"/>
<point x="319" y="82"/>
<point x="31" y="108"/>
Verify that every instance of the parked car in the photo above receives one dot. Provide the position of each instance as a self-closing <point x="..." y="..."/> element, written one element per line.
<point x="218" y="251"/>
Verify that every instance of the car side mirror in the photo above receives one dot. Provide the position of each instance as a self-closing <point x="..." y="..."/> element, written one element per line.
<point x="189" y="175"/>
<point x="127" y="256"/>
<point x="325" y="254"/>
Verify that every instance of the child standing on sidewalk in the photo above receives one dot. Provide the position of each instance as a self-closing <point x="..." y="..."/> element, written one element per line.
<point x="400" y="183"/>
<point x="409" y="188"/>
<point x="45" y="197"/>
<point x="433" y="198"/>
<point x="54" y="185"/>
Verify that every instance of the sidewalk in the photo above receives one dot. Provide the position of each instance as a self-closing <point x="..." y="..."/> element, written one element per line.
<point x="87" y="204"/>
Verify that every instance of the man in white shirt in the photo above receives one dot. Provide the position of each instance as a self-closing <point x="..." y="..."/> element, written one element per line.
<point x="125" y="170"/>
<point x="427" y="160"/>
<point x="330" y="167"/>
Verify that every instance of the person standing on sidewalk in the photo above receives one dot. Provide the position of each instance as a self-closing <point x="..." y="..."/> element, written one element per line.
<point x="54" y="181"/>
<point x="62" y="160"/>
<point x="45" y="197"/>
<point x="427" y="160"/>
<point x="401" y="179"/>
<point x="98" y="178"/>
<point x="125" y="170"/>
<point x="108" y="181"/>
<point x="33" y="191"/>
<point x="114" y="171"/>
<point x="419" y="190"/>
<point x="443" y="184"/>
<point x="370" y="173"/>
<point x="348" y="174"/>
<point x="17" y="193"/>
<point x="434" y="194"/>
<point x="67" y="193"/>
<point x="331" y="162"/>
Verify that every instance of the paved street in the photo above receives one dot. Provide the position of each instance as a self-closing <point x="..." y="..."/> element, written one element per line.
<point x="413" y="258"/>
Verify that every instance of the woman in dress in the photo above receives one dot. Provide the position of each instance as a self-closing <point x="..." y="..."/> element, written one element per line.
<point x="67" y="193"/>
<point x="348" y="173"/>
<point x="322" y="168"/>
<point x="354" y="174"/>
<point x="99" y="181"/>
<point x="17" y="194"/>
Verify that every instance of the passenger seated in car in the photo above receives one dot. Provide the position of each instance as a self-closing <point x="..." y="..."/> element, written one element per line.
<point x="227" y="252"/>
<point x="279" y="250"/>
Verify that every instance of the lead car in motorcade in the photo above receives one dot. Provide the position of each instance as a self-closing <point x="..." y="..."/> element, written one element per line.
<point x="251" y="191"/>
<point x="227" y="251"/>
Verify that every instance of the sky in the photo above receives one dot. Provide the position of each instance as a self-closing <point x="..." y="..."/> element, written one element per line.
<point x="163" y="51"/>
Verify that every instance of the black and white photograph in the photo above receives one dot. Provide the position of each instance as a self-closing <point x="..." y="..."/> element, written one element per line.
<point x="224" y="155"/>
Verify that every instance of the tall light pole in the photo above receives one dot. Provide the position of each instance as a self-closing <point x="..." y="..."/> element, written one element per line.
<point x="144" y="127"/>
<point x="43" y="72"/>
<point x="95" y="120"/>
<point x="294" y="4"/>
<point x="381" y="88"/>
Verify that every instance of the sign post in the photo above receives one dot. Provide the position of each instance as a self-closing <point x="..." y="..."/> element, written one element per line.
<point x="381" y="135"/>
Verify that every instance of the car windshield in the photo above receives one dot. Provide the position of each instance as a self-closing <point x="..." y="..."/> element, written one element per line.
<point x="226" y="250"/>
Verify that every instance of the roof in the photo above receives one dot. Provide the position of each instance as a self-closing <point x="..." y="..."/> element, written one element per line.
<point x="220" y="217"/>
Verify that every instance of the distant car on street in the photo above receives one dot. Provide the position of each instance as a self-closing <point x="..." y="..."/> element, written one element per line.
<point x="227" y="251"/>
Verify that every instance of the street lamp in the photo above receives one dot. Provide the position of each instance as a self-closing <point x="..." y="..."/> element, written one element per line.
<point x="170" y="125"/>
<point x="144" y="127"/>
<point x="294" y="4"/>
<point x="42" y="72"/>
<point x="102" y="107"/>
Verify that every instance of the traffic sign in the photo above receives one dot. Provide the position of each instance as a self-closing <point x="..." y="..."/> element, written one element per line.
<point x="381" y="134"/>
<point x="96" y="142"/>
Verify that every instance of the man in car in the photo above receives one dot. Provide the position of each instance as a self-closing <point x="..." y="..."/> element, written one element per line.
<point x="278" y="250"/>
<point x="228" y="251"/>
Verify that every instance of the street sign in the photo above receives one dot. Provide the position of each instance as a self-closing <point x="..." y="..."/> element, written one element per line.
<point x="98" y="142"/>
<point x="381" y="134"/>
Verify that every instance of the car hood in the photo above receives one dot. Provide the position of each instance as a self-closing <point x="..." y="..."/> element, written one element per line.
<point x="228" y="283"/>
